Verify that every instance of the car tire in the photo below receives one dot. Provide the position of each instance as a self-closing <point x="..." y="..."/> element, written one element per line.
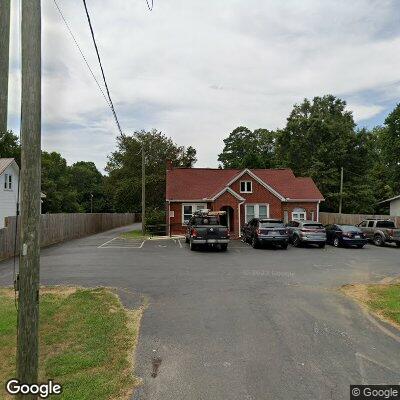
<point x="296" y="241"/>
<point x="254" y="243"/>
<point x="284" y="246"/>
<point x="336" y="242"/>
<point x="186" y="239"/>
<point x="223" y="247"/>
<point x="398" y="244"/>
<point x="321" y="245"/>
<point x="192" y="246"/>
<point x="378" y="240"/>
<point x="360" y="246"/>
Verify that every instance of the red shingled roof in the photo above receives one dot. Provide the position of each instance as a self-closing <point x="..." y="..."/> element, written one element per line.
<point x="203" y="183"/>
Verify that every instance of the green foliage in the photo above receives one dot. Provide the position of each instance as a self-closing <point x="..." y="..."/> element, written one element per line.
<point x="155" y="216"/>
<point x="124" y="183"/>
<point x="246" y="149"/>
<point x="9" y="146"/>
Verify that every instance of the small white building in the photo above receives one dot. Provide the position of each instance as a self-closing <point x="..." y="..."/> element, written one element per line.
<point x="9" y="174"/>
<point x="394" y="205"/>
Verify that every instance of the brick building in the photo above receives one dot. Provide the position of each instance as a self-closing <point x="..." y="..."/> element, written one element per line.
<point x="243" y="194"/>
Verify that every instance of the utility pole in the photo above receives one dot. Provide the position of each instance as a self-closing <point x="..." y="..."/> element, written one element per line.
<point x="91" y="203"/>
<point x="143" y="192"/>
<point x="29" y="264"/>
<point x="341" y="191"/>
<point x="4" y="61"/>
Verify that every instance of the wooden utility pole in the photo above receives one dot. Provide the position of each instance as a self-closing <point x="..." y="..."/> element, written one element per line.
<point x="143" y="191"/>
<point x="341" y="191"/>
<point x="28" y="310"/>
<point x="4" y="61"/>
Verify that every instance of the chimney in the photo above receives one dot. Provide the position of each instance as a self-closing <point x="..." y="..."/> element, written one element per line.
<point x="169" y="165"/>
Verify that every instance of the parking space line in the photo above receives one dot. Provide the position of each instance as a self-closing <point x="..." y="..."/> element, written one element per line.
<point x="109" y="241"/>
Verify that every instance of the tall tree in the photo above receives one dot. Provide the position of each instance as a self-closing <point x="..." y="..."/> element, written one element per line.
<point x="9" y="146"/>
<point x="123" y="185"/>
<point x="246" y="149"/>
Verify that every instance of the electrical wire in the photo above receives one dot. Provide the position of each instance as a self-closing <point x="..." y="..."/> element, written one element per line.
<point x="80" y="50"/>
<point x="148" y="5"/>
<point x="102" y="70"/>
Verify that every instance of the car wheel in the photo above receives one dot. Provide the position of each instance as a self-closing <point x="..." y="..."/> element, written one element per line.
<point x="193" y="246"/>
<point x="296" y="241"/>
<point x="254" y="243"/>
<point x="378" y="240"/>
<point x="336" y="242"/>
<point x="224" y="247"/>
<point x="186" y="239"/>
<point x="284" y="246"/>
<point x="360" y="246"/>
<point x="398" y="244"/>
<point x="321" y="245"/>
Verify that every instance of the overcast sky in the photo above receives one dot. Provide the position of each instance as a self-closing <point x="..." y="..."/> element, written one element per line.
<point x="196" y="69"/>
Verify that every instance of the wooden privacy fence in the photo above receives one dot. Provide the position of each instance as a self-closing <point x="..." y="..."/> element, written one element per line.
<point x="352" y="219"/>
<point x="56" y="228"/>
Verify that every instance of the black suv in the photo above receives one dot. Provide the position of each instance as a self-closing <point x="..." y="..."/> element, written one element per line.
<point x="258" y="232"/>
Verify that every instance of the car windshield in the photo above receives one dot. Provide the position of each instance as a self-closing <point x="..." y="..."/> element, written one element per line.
<point x="271" y="224"/>
<point x="385" y="224"/>
<point x="206" y="221"/>
<point x="313" y="226"/>
<point x="349" y="228"/>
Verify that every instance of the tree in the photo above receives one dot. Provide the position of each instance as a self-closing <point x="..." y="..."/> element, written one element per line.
<point x="87" y="180"/>
<point x="246" y="149"/>
<point x="124" y="182"/>
<point x="61" y="196"/>
<point x="389" y="141"/>
<point x="9" y="146"/>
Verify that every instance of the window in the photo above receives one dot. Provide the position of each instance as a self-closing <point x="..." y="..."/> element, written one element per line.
<point x="299" y="214"/>
<point x="371" y="224"/>
<point x="8" y="182"/>
<point x="256" y="211"/>
<point x="189" y="209"/>
<point x="246" y="187"/>
<point x="385" y="224"/>
<point x="363" y="224"/>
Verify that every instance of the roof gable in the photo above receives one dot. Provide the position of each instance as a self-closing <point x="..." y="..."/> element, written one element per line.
<point x="5" y="163"/>
<point x="193" y="184"/>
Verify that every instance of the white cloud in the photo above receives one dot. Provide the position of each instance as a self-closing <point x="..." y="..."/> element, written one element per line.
<point x="196" y="70"/>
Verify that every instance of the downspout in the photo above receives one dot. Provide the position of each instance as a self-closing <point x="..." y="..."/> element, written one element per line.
<point x="318" y="210"/>
<point x="240" y="230"/>
<point x="169" y="219"/>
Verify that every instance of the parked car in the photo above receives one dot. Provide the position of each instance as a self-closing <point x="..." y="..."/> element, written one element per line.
<point x="259" y="232"/>
<point x="345" y="235"/>
<point x="204" y="229"/>
<point x="311" y="232"/>
<point x="380" y="231"/>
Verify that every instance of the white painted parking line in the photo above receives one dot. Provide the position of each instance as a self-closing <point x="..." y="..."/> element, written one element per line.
<point x="108" y="241"/>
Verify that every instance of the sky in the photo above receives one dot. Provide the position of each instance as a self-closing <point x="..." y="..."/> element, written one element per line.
<point x="196" y="70"/>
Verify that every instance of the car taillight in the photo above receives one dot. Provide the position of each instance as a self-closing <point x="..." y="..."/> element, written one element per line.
<point x="194" y="233"/>
<point x="227" y="233"/>
<point x="258" y="231"/>
<point x="346" y="234"/>
<point x="390" y="232"/>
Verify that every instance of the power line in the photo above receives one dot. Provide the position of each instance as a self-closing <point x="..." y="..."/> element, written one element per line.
<point x="80" y="50"/>
<point x="148" y="5"/>
<point x="102" y="70"/>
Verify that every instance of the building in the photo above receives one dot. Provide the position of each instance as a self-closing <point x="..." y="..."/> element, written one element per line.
<point x="9" y="174"/>
<point x="243" y="194"/>
<point x="394" y="204"/>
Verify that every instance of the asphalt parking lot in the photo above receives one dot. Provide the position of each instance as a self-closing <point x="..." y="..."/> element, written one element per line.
<point x="245" y="324"/>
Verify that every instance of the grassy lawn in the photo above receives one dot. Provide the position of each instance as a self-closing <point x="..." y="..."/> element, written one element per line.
<point x="136" y="234"/>
<point x="87" y="342"/>
<point x="382" y="299"/>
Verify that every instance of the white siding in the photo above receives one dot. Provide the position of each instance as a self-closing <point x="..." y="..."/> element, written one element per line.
<point x="8" y="198"/>
<point x="395" y="207"/>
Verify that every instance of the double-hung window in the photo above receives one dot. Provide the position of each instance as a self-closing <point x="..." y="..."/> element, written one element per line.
<point x="8" y="182"/>
<point x="299" y="214"/>
<point x="246" y="187"/>
<point x="256" y="211"/>
<point x="188" y="209"/>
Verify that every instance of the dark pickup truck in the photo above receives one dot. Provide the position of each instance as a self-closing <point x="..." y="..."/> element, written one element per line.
<point x="204" y="229"/>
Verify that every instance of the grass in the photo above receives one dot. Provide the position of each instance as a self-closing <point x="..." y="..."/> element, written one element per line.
<point x="382" y="299"/>
<point x="135" y="234"/>
<point x="87" y="341"/>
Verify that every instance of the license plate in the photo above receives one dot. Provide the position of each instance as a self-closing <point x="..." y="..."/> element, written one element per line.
<point x="273" y="233"/>
<point x="357" y="236"/>
<point x="212" y="241"/>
